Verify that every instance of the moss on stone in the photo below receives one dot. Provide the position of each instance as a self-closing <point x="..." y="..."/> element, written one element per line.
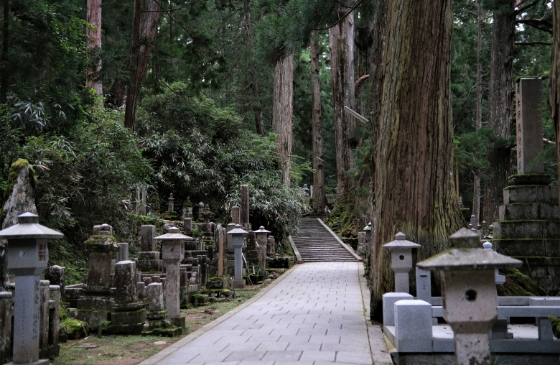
<point x="15" y="169"/>
<point x="555" y="325"/>
<point x="518" y="284"/>
<point x="75" y="328"/>
<point x="98" y="239"/>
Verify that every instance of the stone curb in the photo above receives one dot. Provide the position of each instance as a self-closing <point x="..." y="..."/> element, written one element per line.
<point x="191" y="337"/>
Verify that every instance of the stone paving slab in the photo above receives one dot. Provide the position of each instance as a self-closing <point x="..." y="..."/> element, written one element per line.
<point x="314" y="314"/>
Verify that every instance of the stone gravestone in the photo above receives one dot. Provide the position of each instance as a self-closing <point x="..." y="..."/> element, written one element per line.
<point x="235" y="215"/>
<point x="529" y="125"/>
<point x="148" y="257"/>
<point x="244" y="216"/>
<point x="122" y="253"/>
<point x="128" y="313"/>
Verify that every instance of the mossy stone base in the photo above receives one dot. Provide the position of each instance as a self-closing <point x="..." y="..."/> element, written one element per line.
<point x="165" y="332"/>
<point x="529" y="179"/>
<point x="125" y="329"/>
<point x="128" y="318"/>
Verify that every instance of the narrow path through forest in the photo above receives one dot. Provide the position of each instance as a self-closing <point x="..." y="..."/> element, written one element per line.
<point x="315" y="314"/>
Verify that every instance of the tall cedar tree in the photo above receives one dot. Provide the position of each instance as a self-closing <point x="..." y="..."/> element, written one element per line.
<point x="341" y="40"/>
<point x="317" y="128"/>
<point x="554" y="91"/>
<point x="144" y="29"/>
<point x="500" y="104"/>
<point x="413" y="182"/>
<point x="93" y="80"/>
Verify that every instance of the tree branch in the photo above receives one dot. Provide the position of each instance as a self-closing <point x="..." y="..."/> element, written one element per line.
<point x="533" y="44"/>
<point x="540" y="24"/>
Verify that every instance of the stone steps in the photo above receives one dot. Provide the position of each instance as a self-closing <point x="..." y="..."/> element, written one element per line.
<point x="316" y="244"/>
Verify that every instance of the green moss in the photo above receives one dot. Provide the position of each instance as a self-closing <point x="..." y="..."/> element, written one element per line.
<point x="75" y="328"/>
<point x="15" y="169"/>
<point x="518" y="284"/>
<point x="555" y="325"/>
<point x="98" y="239"/>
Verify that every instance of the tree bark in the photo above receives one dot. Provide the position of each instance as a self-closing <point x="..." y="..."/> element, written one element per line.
<point x="317" y="129"/>
<point x="94" y="18"/>
<point x="478" y="122"/>
<point x="4" y="79"/>
<point x="282" y="112"/>
<point x="500" y="106"/>
<point x="144" y="29"/>
<point x="554" y="89"/>
<point x="341" y="41"/>
<point x="413" y="181"/>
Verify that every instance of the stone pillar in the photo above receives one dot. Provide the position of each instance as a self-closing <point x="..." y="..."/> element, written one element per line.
<point x="45" y="295"/>
<point x="54" y="320"/>
<point x="221" y="250"/>
<point x="235" y="215"/>
<point x="362" y="243"/>
<point x="147" y="234"/>
<point x="122" y="253"/>
<point x="6" y="312"/>
<point x="529" y="125"/>
<point x="244" y="212"/>
<point x="187" y="224"/>
<point x="128" y="314"/>
<point x="143" y="209"/>
<point x="237" y="236"/>
<point x="148" y="258"/>
<point x="423" y="285"/>
<point x="271" y="244"/>
<point x="99" y="273"/>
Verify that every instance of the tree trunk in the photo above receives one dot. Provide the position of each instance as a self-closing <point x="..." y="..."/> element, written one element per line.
<point x="4" y="78"/>
<point x="282" y="112"/>
<point x="317" y="129"/>
<point x="144" y="29"/>
<point x="413" y="181"/>
<point x="93" y="80"/>
<point x="500" y="106"/>
<point x="554" y="89"/>
<point x="478" y="122"/>
<point x="341" y="41"/>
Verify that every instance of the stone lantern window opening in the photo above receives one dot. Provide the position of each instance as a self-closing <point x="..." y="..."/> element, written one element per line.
<point x="42" y="251"/>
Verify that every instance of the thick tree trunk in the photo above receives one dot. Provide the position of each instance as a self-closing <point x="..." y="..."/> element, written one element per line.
<point x="317" y="129"/>
<point x="4" y="78"/>
<point x="554" y="89"/>
<point x="500" y="106"/>
<point x="282" y="112"/>
<point x="341" y="41"/>
<point x="478" y="122"/>
<point x="93" y="80"/>
<point x="144" y="29"/>
<point x="413" y="181"/>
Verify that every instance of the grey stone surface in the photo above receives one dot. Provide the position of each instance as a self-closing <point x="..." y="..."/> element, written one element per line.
<point x="389" y="300"/>
<point x="413" y="326"/>
<point x="529" y="126"/>
<point x="289" y="321"/>
<point x="122" y="253"/>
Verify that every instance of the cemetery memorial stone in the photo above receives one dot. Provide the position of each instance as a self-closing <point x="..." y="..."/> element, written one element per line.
<point x="221" y="250"/>
<point x="362" y="244"/>
<point x="401" y="260"/>
<point x="261" y="235"/>
<point x="367" y="231"/>
<point x="122" y="253"/>
<point x="469" y="299"/>
<point x="128" y="313"/>
<point x="237" y="234"/>
<point x="201" y="212"/>
<point x="95" y="306"/>
<point x="235" y="215"/>
<point x="6" y="313"/>
<point x="148" y="257"/>
<point x="158" y="322"/>
<point x="244" y="213"/>
<point x="187" y="226"/>
<point x="57" y="276"/>
<point x="172" y="253"/>
<point x="529" y="220"/>
<point x="27" y="256"/>
<point x="271" y="245"/>
<point x="53" y="346"/>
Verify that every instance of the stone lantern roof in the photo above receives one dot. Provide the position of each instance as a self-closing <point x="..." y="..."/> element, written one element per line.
<point x="28" y="227"/>
<point x="368" y="228"/>
<point x="468" y="259"/>
<point x="173" y="233"/>
<point x="400" y="242"/>
<point x="262" y="230"/>
<point x="237" y="230"/>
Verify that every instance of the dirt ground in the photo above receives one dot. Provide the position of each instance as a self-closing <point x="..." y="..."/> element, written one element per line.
<point x="131" y="350"/>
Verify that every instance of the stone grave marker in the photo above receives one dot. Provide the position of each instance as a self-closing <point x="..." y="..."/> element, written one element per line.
<point x="529" y="126"/>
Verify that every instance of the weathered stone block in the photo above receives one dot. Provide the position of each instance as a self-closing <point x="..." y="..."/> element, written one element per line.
<point x="413" y="326"/>
<point x="126" y="329"/>
<point x="389" y="300"/>
<point x="527" y="229"/>
<point x="531" y="194"/>
<point x="520" y="247"/>
<point x="552" y="248"/>
<point x="92" y="318"/>
<point x="118" y="318"/>
<point x="148" y="255"/>
<point x="95" y="303"/>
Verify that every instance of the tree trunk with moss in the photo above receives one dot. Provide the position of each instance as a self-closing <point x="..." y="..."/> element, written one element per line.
<point x="317" y="129"/>
<point x="341" y="41"/>
<point x="413" y="183"/>
<point x="500" y="106"/>
<point x="93" y="31"/>
<point x="282" y="112"/>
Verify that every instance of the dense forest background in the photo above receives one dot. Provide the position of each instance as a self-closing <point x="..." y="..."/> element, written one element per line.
<point x="197" y="97"/>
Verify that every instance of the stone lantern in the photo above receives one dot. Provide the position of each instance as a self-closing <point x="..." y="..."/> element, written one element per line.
<point x="305" y="189"/>
<point x="261" y="235"/>
<point x="27" y="258"/>
<point x="172" y="252"/>
<point x="237" y="235"/>
<point x="367" y="231"/>
<point x="469" y="293"/>
<point x="401" y="260"/>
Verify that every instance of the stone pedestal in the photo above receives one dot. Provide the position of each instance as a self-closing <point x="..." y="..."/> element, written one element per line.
<point x="148" y="258"/>
<point x="529" y="229"/>
<point x="6" y="312"/>
<point x="128" y="313"/>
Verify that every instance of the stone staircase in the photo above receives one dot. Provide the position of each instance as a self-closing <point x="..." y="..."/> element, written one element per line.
<point x="316" y="243"/>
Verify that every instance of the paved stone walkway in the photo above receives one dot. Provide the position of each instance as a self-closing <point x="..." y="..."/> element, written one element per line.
<point x="314" y="314"/>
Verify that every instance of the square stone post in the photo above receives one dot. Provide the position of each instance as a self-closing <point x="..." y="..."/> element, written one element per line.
<point x="27" y="259"/>
<point x="529" y="125"/>
<point x="245" y="224"/>
<point x="235" y="215"/>
<point x="221" y="248"/>
<point x="6" y="312"/>
<point x="237" y="236"/>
